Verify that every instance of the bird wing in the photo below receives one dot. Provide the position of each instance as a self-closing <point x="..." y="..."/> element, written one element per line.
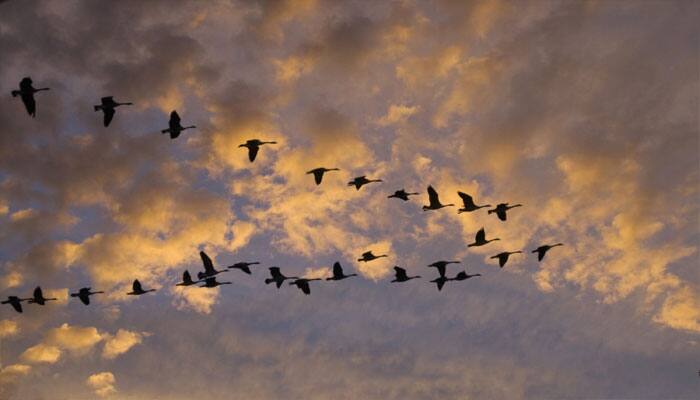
<point x="441" y="269"/>
<point x="17" y="306"/>
<point x="433" y="196"/>
<point x="29" y="103"/>
<point x="245" y="269"/>
<point x="38" y="294"/>
<point x="85" y="298"/>
<point x="400" y="273"/>
<point x="541" y="251"/>
<point x="502" y="259"/>
<point x="208" y="265"/>
<point x="174" y="119"/>
<point x="136" y="286"/>
<point x="318" y="176"/>
<point x="481" y="235"/>
<point x="304" y="286"/>
<point x="467" y="200"/>
<point x="108" y="115"/>
<point x="501" y="214"/>
<point x="337" y="270"/>
<point x="186" y="277"/>
<point x="275" y="272"/>
<point x="210" y="282"/>
<point x="440" y="283"/>
<point x="367" y="254"/>
<point x="252" y="152"/>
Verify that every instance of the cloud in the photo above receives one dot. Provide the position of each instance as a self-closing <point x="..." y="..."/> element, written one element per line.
<point x="8" y="328"/>
<point x="195" y="298"/>
<point x="120" y="343"/>
<point x="41" y="353"/>
<point x="102" y="383"/>
<point x="396" y="114"/>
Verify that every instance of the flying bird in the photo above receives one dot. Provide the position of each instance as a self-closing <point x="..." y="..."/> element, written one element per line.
<point x="303" y="284"/>
<point x="209" y="270"/>
<point x="15" y="302"/>
<point x="338" y="273"/>
<point x="360" y="181"/>
<point x="401" y="275"/>
<point x="108" y="108"/>
<point x="253" y="146"/>
<point x="542" y="250"/>
<point x="463" y="276"/>
<point x="26" y="92"/>
<point x="440" y="265"/>
<point x="212" y="283"/>
<point x="469" y="204"/>
<point x="401" y="194"/>
<point x="39" y="297"/>
<point x="503" y="257"/>
<point x="243" y="266"/>
<point x="278" y="277"/>
<point x="501" y="209"/>
<point x="174" y="126"/>
<point x="186" y="279"/>
<point x="368" y="256"/>
<point x="318" y="173"/>
<point x="434" y="201"/>
<point x="84" y="295"/>
<point x="137" y="290"/>
<point x="480" y="239"/>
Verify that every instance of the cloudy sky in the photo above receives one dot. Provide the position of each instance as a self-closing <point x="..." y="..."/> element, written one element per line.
<point x="584" y="112"/>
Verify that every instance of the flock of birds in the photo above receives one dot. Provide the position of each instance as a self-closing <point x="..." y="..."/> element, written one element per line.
<point x="207" y="277"/>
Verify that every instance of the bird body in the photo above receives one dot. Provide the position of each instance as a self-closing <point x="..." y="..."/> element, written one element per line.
<point x="253" y="146"/>
<point x="278" y="277"/>
<point x="501" y="209"/>
<point x="174" y="126"/>
<point x="401" y="194"/>
<point x="368" y="256"/>
<point x="108" y="106"/>
<point x="243" y="266"/>
<point x="434" y="201"/>
<point x="503" y="257"/>
<point x="39" y="297"/>
<point x="137" y="290"/>
<point x="84" y="295"/>
<point x="26" y="92"/>
<point x="318" y="173"/>
<point x="401" y="275"/>
<point x="338" y="273"/>
<point x="303" y="284"/>
<point x="469" y="204"/>
<point x="542" y="250"/>
<point x="480" y="239"/>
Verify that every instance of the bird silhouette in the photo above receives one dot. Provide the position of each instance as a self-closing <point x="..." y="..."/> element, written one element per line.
<point x="15" y="302"/>
<point x="303" y="284"/>
<point x="209" y="270"/>
<point x="462" y="276"/>
<point x="84" y="295"/>
<point x="503" y="257"/>
<point x="278" y="277"/>
<point x="440" y="281"/>
<point x="26" y="92"/>
<point x="243" y="266"/>
<point x="469" y="205"/>
<point x="401" y="194"/>
<point x="360" y="181"/>
<point x="174" y="126"/>
<point x="434" y="201"/>
<point x="253" y="146"/>
<point x="368" y="256"/>
<point x="137" y="290"/>
<point x="108" y="108"/>
<point x="186" y="279"/>
<point x="401" y="275"/>
<point x="39" y="297"/>
<point x="212" y="283"/>
<point x="318" y="173"/>
<point x="338" y="273"/>
<point x="501" y="209"/>
<point x="480" y="239"/>
<point x="440" y="265"/>
<point x="542" y="250"/>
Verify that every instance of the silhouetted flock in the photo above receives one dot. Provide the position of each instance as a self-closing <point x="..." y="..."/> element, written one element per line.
<point x="207" y="278"/>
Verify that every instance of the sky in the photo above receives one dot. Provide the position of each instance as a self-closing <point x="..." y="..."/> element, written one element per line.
<point x="584" y="112"/>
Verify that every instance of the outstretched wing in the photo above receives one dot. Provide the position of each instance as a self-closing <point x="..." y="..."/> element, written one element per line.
<point x="433" y="196"/>
<point x="541" y="251"/>
<point x="400" y="273"/>
<point x="186" y="277"/>
<point x="252" y="152"/>
<point x="501" y="213"/>
<point x="38" y="294"/>
<point x="367" y="254"/>
<point x="440" y="284"/>
<point x="318" y="176"/>
<point x="29" y="103"/>
<point x="502" y="259"/>
<point x="467" y="200"/>
<point x="208" y="265"/>
<point x="441" y="269"/>
<point x="136" y="286"/>
<point x="304" y="286"/>
<point x="108" y="115"/>
<point x="17" y="306"/>
<point x="337" y="270"/>
<point x="85" y="298"/>
<point x="481" y="235"/>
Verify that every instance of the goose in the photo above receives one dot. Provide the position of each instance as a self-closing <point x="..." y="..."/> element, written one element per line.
<point x="338" y="273"/>
<point x="108" y="108"/>
<point x="480" y="239"/>
<point x="501" y="209"/>
<point x="360" y="181"/>
<point x="367" y="256"/>
<point x="15" y="302"/>
<point x="253" y="146"/>
<point x="401" y="194"/>
<point x="469" y="205"/>
<point x="84" y="295"/>
<point x="26" y="92"/>
<point x="39" y="297"/>
<point x="137" y="290"/>
<point x="186" y="279"/>
<point x="318" y="173"/>
<point x="303" y="284"/>
<point x="434" y="201"/>
<point x="503" y="257"/>
<point x="401" y="275"/>
<point x="174" y="126"/>
<point x="440" y="265"/>
<point x="209" y="270"/>
<point x="542" y="250"/>
<point x="462" y="276"/>
<point x="212" y="283"/>
<point x="243" y="266"/>
<point x="278" y="277"/>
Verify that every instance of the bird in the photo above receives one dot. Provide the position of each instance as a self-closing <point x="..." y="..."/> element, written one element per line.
<point x="480" y="239"/>
<point x="503" y="257"/>
<point x="318" y="173"/>
<point x="469" y="205"/>
<point x="360" y="181"/>
<point x="401" y="275"/>
<point x="462" y="276"/>
<point x="278" y="277"/>
<point x="253" y="146"/>
<point x="303" y="284"/>
<point x="212" y="283"/>
<point x="501" y="209"/>
<point x="108" y="105"/>
<point x="209" y="270"/>
<point x="39" y="297"/>
<point x="401" y="194"/>
<point x="440" y="281"/>
<point x="186" y="279"/>
<point x="440" y="265"/>
<point x="542" y="250"/>
<point x="174" y="126"/>
<point x="26" y="92"/>
<point x="368" y="256"/>
<point x="243" y="266"/>
<point x="15" y="302"/>
<point x="84" y="295"/>
<point x="137" y="290"/>
<point x="434" y="201"/>
<point x="338" y="273"/>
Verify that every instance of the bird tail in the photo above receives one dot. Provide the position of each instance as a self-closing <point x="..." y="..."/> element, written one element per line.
<point x="15" y="93"/>
<point x="74" y="295"/>
<point x="491" y="211"/>
<point x="168" y="130"/>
